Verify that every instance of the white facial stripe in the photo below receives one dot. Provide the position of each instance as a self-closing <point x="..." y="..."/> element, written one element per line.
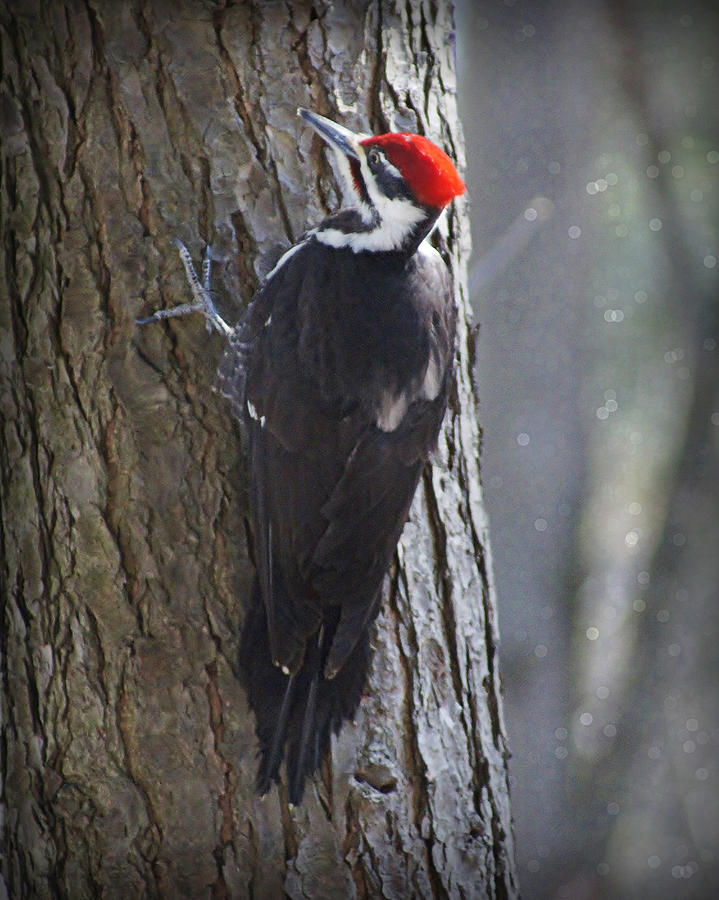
<point x="350" y="195"/>
<point x="425" y="248"/>
<point x="397" y="219"/>
<point x="388" y="235"/>
<point x="398" y="216"/>
<point x="349" y="191"/>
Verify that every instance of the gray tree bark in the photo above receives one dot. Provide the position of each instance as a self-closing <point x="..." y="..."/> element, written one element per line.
<point x="128" y="750"/>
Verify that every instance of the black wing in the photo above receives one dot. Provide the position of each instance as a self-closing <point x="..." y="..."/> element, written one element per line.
<point x="331" y="489"/>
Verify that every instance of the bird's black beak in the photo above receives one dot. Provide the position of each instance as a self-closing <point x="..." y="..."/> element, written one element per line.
<point x="337" y="136"/>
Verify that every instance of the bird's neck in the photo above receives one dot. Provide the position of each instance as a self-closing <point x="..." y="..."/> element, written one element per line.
<point x="361" y="229"/>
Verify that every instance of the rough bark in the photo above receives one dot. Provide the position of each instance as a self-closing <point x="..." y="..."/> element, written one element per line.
<point x="128" y="753"/>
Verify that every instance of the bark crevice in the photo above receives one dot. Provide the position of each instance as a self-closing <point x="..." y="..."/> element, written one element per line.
<point x="128" y="749"/>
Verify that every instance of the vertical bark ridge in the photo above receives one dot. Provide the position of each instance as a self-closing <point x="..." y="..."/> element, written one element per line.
<point x="419" y="786"/>
<point x="128" y="751"/>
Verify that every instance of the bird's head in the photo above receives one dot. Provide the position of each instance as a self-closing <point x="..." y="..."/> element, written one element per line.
<point x="399" y="182"/>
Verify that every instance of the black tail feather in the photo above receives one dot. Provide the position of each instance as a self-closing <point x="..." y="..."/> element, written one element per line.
<point x="272" y="757"/>
<point x="296" y="714"/>
<point x="297" y="756"/>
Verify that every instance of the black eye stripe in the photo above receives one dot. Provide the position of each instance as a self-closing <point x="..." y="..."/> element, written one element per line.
<point x="390" y="184"/>
<point x="385" y="176"/>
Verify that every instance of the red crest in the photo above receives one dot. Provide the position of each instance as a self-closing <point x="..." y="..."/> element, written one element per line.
<point x="425" y="167"/>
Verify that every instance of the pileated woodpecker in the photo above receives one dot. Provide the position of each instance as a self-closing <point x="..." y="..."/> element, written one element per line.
<point x="340" y="372"/>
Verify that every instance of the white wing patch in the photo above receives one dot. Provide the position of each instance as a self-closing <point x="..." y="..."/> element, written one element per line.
<point x="392" y="410"/>
<point x="393" y="407"/>
<point x="251" y="409"/>
<point x="432" y="380"/>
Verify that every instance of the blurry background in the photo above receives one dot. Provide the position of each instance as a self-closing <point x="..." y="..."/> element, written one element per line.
<point x="592" y="137"/>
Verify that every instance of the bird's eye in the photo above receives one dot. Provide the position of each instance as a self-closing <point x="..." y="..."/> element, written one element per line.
<point x="373" y="157"/>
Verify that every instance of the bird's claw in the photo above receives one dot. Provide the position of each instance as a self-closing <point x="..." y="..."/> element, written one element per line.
<point x="200" y="293"/>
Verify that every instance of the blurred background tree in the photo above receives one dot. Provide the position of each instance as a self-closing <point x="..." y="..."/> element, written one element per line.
<point x="595" y="125"/>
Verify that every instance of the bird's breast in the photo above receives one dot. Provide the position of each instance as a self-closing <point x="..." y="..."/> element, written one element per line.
<point x="350" y="332"/>
<point x="364" y="329"/>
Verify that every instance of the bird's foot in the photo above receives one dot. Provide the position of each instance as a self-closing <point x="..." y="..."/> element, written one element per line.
<point x="200" y="291"/>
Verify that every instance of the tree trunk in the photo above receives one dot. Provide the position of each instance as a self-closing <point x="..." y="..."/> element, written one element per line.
<point x="128" y="752"/>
